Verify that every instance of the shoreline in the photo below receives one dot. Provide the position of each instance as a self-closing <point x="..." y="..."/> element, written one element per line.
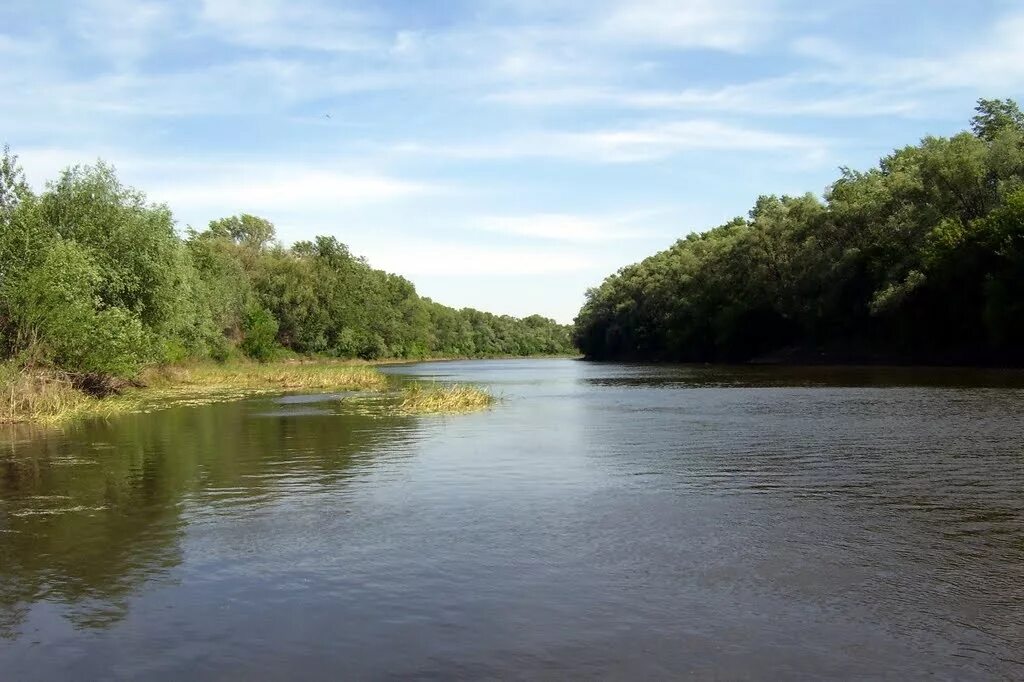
<point x="801" y="358"/>
<point x="46" y="397"/>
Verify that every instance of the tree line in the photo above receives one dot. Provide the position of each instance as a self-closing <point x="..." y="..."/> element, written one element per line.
<point x="919" y="259"/>
<point x="94" y="279"/>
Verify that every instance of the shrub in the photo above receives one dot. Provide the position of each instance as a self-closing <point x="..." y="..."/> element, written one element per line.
<point x="260" y="329"/>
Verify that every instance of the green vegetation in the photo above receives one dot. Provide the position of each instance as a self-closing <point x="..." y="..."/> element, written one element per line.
<point x="920" y="259"/>
<point x="48" y="396"/>
<point x="443" y="399"/>
<point x="40" y="396"/>
<point x="96" y="286"/>
<point x="280" y="376"/>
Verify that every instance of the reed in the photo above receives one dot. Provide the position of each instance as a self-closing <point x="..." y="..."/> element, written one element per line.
<point x="284" y="376"/>
<point x="43" y="396"/>
<point x="39" y="395"/>
<point x="422" y="398"/>
<point x="46" y="396"/>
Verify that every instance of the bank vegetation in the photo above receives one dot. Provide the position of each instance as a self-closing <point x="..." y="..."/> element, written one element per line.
<point x="920" y="259"/>
<point x="100" y="293"/>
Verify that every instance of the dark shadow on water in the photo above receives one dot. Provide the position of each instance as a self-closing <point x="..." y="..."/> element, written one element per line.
<point x="778" y="376"/>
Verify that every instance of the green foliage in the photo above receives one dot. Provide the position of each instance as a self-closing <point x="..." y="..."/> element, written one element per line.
<point x="919" y="258"/>
<point x="59" y="312"/>
<point x="94" y="280"/>
<point x="246" y="230"/>
<point x="995" y="115"/>
<point x="260" y="330"/>
<point x="13" y="187"/>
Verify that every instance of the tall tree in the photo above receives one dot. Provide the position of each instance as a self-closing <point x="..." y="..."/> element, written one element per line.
<point x="995" y="115"/>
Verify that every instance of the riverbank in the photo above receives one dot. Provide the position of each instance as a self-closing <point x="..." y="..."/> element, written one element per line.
<point x="47" y="396"/>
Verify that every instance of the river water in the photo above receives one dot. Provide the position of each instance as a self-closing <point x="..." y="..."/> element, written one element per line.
<point x="611" y="521"/>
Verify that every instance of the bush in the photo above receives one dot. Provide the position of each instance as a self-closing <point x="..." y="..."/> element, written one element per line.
<point x="220" y="349"/>
<point x="260" y="329"/>
<point x="60" y="315"/>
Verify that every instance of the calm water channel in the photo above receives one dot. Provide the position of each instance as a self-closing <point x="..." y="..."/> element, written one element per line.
<point x="616" y="521"/>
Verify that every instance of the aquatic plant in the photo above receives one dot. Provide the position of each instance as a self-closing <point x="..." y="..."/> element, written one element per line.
<point x="41" y="395"/>
<point x="341" y="376"/>
<point x="44" y="395"/>
<point x="435" y="398"/>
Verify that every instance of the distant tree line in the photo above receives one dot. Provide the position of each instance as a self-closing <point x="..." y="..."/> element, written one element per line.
<point x="94" y="279"/>
<point x="919" y="259"/>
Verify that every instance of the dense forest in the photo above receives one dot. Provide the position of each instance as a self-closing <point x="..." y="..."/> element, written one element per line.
<point x="920" y="259"/>
<point x="96" y="280"/>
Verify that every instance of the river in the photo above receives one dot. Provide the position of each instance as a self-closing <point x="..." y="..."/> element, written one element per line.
<point x="602" y="520"/>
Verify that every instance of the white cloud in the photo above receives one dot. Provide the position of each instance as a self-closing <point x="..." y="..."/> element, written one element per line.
<point x="992" y="63"/>
<point x="995" y="63"/>
<point x="569" y="227"/>
<point x="837" y="80"/>
<point x="717" y="24"/>
<point x="294" y="190"/>
<point x="632" y="144"/>
<point x="122" y="31"/>
<point x="778" y="96"/>
<point x="663" y="140"/>
<point x="275" y="24"/>
<point x="420" y="257"/>
<point x="822" y="49"/>
<point x="675" y="24"/>
<point x="197" y="189"/>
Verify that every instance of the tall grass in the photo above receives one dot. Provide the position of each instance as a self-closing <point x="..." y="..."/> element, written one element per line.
<point x="40" y="395"/>
<point x="270" y="376"/>
<point x="443" y="399"/>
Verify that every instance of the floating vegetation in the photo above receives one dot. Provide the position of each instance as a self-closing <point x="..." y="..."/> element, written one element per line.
<point x="53" y="512"/>
<point x="443" y="399"/>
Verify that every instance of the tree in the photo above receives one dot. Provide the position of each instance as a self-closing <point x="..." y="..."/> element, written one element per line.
<point x="260" y="342"/>
<point x="60" y="317"/>
<point x="245" y="230"/>
<point x="918" y="259"/>
<point x="95" y="280"/>
<point x="995" y="115"/>
<point x="13" y="187"/>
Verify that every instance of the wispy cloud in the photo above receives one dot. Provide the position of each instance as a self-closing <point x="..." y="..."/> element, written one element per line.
<point x="294" y="190"/>
<point x="997" y="62"/>
<point x="567" y="227"/>
<point x="277" y="24"/>
<point x="195" y="187"/>
<point x="717" y="24"/>
<point x="711" y="24"/>
<point x="773" y="97"/>
<point x="122" y="32"/>
<point x="452" y="259"/>
<point x="630" y="144"/>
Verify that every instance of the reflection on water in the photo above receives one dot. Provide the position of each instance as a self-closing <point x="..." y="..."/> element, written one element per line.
<point x="603" y="520"/>
<point x="92" y="512"/>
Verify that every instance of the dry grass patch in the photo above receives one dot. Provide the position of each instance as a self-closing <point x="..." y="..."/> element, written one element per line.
<point x="41" y="396"/>
<point x="46" y="396"/>
<point x="443" y="399"/>
<point x="268" y="377"/>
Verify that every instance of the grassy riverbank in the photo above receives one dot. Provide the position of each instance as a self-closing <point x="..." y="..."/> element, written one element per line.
<point x="46" y="396"/>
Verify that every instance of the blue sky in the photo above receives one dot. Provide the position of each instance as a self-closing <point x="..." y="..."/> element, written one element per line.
<point x="502" y="154"/>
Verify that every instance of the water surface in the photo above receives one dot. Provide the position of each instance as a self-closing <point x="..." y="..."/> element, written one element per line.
<point x="603" y="520"/>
